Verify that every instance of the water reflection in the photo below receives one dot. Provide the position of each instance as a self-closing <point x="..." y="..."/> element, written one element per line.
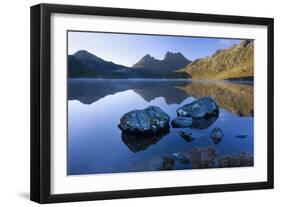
<point x="97" y="145"/>
<point x="136" y="142"/>
<point x="90" y="91"/>
<point x="234" y="97"/>
<point x="237" y="98"/>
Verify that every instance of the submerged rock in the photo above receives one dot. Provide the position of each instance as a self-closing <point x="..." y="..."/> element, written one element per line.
<point x="200" y="108"/>
<point x="140" y="142"/>
<point x="236" y="160"/>
<point x="203" y="157"/>
<point x="166" y="164"/>
<point x="216" y="135"/>
<point x="147" y="121"/>
<point x="181" y="156"/>
<point x="186" y="136"/>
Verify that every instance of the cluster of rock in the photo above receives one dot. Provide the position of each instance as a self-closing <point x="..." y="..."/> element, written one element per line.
<point x="142" y="128"/>
<point x="204" y="157"/>
<point x="154" y="120"/>
<point x="216" y="135"/>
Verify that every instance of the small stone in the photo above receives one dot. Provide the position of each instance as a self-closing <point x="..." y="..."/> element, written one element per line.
<point x="167" y="163"/>
<point x="216" y="135"/>
<point x="186" y="136"/>
<point x="182" y="157"/>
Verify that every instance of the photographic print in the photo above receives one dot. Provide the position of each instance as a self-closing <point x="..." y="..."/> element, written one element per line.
<point x="130" y="103"/>
<point x="147" y="102"/>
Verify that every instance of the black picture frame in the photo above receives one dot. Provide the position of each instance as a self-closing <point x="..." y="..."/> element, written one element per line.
<point x="41" y="98"/>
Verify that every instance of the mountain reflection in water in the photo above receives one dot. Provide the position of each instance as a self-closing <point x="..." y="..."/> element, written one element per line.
<point x="235" y="97"/>
<point x="88" y="91"/>
<point x="97" y="145"/>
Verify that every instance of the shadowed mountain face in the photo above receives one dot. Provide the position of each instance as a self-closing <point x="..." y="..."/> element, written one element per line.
<point x="93" y="62"/>
<point x="231" y="63"/>
<point x="234" y="97"/>
<point x="83" y="64"/>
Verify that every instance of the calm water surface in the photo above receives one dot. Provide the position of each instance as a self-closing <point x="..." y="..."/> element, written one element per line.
<point x="96" y="144"/>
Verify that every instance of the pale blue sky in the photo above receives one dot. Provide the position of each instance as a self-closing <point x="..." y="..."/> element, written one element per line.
<point x="127" y="49"/>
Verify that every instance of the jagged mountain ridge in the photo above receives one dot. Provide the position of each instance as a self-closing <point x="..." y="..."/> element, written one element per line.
<point x="85" y="64"/>
<point x="170" y="63"/>
<point x="236" y="62"/>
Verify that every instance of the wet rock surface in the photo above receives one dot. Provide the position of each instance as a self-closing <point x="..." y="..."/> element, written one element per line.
<point x="147" y="121"/>
<point x="182" y="122"/>
<point x="203" y="157"/>
<point x="236" y="160"/>
<point x="187" y="122"/>
<point x="201" y="108"/>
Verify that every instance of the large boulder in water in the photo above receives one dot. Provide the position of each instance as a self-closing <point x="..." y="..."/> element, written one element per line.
<point x="201" y="108"/>
<point x="147" y="121"/>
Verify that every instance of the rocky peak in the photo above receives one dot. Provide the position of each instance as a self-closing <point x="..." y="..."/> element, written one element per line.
<point x="169" y="55"/>
<point x="147" y="57"/>
<point x="172" y="61"/>
<point x="83" y="54"/>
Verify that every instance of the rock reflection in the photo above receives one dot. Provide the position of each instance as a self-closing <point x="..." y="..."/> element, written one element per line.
<point x="140" y="142"/>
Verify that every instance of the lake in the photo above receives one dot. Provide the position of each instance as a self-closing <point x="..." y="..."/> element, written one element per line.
<point x="97" y="145"/>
